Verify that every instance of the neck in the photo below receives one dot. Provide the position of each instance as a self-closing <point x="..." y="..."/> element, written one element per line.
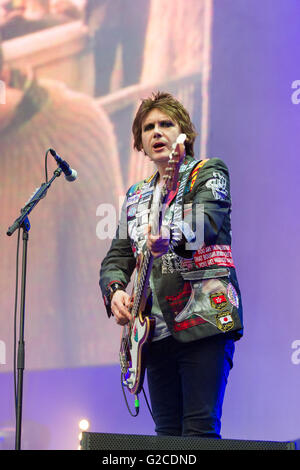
<point x="161" y="171"/>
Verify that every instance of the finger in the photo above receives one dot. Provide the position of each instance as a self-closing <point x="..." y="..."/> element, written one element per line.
<point x="120" y="317"/>
<point x="160" y="245"/>
<point x="148" y="231"/>
<point x="121" y="320"/>
<point x="123" y="312"/>
<point x="159" y="250"/>
<point x="127" y="302"/>
<point x="119" y="310"/>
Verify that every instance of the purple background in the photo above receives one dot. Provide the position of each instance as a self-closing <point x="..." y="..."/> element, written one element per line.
<point x="254" y="127"/>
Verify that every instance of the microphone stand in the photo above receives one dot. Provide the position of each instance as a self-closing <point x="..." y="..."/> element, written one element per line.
<point x="23" y="222"/>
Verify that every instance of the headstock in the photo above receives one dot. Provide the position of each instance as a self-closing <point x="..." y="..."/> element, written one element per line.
<point x="176" y="157"/>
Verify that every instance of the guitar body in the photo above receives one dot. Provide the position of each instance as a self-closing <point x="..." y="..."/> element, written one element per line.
<point x="136" y="337"/>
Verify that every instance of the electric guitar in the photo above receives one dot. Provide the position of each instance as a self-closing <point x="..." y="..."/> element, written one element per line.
<point x="138" y="332"/>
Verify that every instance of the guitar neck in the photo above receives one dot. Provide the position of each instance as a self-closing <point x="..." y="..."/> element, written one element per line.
<point x="147" y="260"/>
<point x="170" y="183"/>
<point x="143" y="281"/>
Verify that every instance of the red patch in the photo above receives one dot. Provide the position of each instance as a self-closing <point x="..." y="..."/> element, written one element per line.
<point x="177" y="302"/>
<point x="184" y="325"/>
<point x="219" y="299"/>
<point x="214" y="255"/>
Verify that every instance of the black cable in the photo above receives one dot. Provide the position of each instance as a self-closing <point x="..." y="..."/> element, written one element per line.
<point x="137" y="408"/>
<point x="149" y="408"/>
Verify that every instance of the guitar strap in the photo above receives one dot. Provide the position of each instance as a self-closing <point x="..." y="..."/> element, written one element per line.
<point x="177" y="220"/>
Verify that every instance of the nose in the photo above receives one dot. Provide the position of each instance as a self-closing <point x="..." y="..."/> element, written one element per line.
<point x="157" y="131"/>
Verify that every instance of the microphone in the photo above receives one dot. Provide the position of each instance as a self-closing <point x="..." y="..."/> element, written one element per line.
<point x="69" y="173"/>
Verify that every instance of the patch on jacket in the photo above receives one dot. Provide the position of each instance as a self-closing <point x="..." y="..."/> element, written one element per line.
<point x="210" y="255"/>
<point x="193" y="176"/>
<point x="225" y="321"/>
<point x="178" y="302"/>
<point x="185" y="324"/>
<point x="218" y="185"/>
<point x="218" y="300"/>
<point x="232" y="295"/>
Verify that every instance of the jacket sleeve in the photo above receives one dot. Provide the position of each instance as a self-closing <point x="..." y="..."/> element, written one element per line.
<point x="207" y="207"/>
<point x="119" y="262"/>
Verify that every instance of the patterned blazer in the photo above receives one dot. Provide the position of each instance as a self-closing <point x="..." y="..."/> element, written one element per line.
<point x="195" y="282"/>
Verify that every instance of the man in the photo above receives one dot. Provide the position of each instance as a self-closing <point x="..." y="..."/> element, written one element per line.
<point x="195" y="294"/>
<point x="40" y="113"/>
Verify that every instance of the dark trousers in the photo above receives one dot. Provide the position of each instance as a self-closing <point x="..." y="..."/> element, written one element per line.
<point x="186" y="383"/>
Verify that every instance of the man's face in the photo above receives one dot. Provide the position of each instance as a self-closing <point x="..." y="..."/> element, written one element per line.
<point x="159" y="132"/>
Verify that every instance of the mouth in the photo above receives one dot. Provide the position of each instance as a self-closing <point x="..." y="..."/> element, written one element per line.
<point x="159" y="146"/>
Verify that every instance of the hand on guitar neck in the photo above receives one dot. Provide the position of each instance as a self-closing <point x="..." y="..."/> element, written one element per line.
<point x="158" y="245"/>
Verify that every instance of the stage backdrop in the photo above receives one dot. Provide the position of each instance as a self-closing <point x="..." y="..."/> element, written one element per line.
<point x="72" y="75"/>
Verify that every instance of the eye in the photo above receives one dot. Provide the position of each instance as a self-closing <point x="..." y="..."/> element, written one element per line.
<point x="167" y="123"/>
<point x="148" y="127"/>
